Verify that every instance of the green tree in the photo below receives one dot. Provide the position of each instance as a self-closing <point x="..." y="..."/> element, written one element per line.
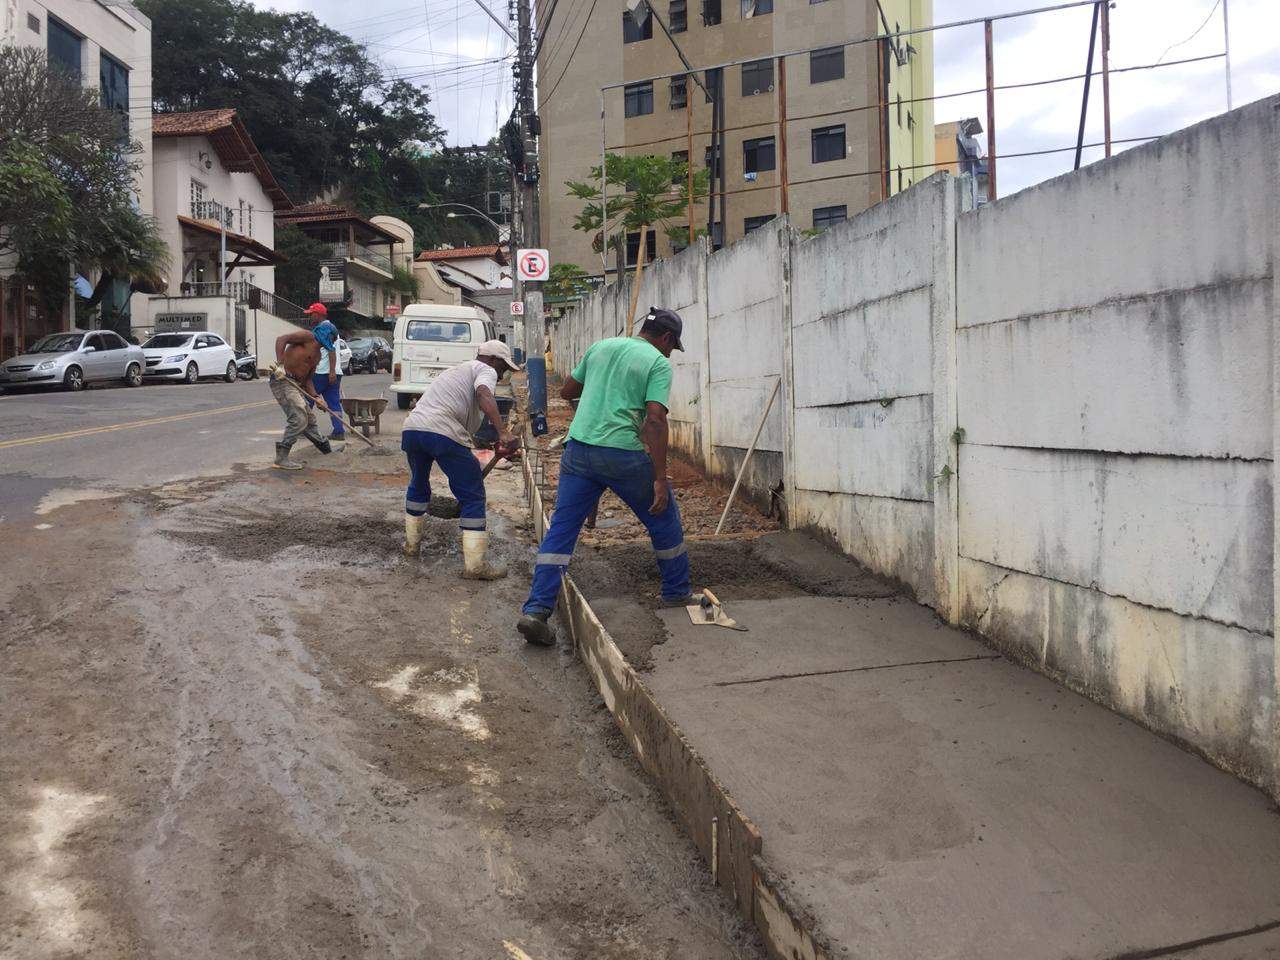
<point x="321" y="110"/>
<point x="66" y="183"/>
<point x="298" y="279"/>
<point x="645" y="192"/>
<point x="566" y="282"/>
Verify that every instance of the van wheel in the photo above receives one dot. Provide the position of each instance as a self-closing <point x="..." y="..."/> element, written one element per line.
<point x="404" y="401"/>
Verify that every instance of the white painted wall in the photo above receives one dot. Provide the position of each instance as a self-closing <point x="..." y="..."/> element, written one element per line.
<point x="1052" y="417"/>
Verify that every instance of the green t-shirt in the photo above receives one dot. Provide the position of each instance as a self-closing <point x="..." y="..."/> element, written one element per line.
<point x="618" y="376"/>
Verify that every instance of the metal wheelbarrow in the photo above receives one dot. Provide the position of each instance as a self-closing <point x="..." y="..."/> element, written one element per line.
<point x="365" y="412"/>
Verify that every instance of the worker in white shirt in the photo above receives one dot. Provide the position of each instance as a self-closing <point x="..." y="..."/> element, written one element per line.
<point x="438" y="430"/>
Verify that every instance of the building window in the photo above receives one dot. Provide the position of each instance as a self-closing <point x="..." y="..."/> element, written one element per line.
<point x="678" y="16"/>
<point x="824" y="217"/>
<point x="638" y="99"/>
<point x="706" y="161"/>
<point x="828" y="143"/>
<point x="679" y="93"/>
<point x="756" y="8"/>
<point x="634" y="31"/>
<point x="712" y="80"/>
<point x="197" y="200"/>
<point x="757" y="77"/>
<point x="758" y="155"/>
<point x="826" y="65"/>
<point x="113" y="81"/>
<point x="710" y="12"/>
<point x="681" y="157"/>
<point x="755" y="223"/>
<point x="64" y="48"/>
<point x="33" y="23"/>
<point x="243" y="222"/>
<point x="650" y="247"/>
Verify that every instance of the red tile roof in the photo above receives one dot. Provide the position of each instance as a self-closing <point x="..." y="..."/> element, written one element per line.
<point x="495" y="251"/>
<point x="321" y="212"/>
<point x="231" y="141"/>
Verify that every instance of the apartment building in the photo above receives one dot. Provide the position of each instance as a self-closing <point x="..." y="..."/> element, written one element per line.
<point x="106" y="44"/>
<point x="859" y="124"/>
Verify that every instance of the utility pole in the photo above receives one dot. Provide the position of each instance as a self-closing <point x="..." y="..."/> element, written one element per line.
<point x="530" y="220"/>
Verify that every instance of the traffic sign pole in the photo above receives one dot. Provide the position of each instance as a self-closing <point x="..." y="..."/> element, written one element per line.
<point x="532" y="267"/>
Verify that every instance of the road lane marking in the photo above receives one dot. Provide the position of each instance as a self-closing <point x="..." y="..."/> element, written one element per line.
<point x="90" y="431"/>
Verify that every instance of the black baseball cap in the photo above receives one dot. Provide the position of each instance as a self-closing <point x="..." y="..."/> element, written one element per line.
<point x="668" y="321"/>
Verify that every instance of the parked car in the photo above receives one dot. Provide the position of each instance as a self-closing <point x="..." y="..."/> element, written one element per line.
<point x="344" y="356"/>
<point x="429" y="339"/>
<point x="73" y="358"/>
<point x="370" y="354"/>
<point x="188" y="356"/>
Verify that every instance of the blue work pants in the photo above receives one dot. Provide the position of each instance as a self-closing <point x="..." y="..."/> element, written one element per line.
<point x="332" y="393"/>
<point x="586" y="472"/>
<point x="460" y="468"/>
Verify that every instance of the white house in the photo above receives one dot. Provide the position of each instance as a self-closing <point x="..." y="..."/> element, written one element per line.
<point x="107" y="44"/>
<point x="471" y="268"/>
<point x="215" y="201"/>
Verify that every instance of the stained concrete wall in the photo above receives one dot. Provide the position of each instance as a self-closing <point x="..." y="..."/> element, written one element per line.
<point x="1053" y="417"/>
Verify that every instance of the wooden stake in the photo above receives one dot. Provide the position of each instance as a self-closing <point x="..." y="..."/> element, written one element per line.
<point x="1106" y="75"/>
<point x="784" y="199"/>
<point x="635" y="286"/>
<point x="688" y="167"/>
<point x="747" y="459"/>
<point x="991" y="115"/>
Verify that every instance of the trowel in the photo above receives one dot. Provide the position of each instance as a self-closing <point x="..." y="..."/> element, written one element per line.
<point x="709" y="612"/>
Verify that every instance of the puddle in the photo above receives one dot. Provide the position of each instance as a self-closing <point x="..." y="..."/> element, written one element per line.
<point x="453" y="707"/>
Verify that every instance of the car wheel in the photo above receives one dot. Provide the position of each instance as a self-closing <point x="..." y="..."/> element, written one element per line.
<point x="230" y="375"/>
<point x="192" y="374"/>
<point x="133" y="376"/>
<point x="404" y="401"/>
<point x="73" y="379"/>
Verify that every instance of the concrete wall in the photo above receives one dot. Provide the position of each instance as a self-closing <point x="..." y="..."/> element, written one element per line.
<point x="1053" y="418"/>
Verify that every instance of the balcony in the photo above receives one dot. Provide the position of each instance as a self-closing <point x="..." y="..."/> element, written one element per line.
<point x="360" y="254"/>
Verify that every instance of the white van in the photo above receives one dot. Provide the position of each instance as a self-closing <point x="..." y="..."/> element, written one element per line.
<point x="430" y="338"/>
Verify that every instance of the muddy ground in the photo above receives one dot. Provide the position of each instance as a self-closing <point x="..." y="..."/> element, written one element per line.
<point x="236" y="722"/>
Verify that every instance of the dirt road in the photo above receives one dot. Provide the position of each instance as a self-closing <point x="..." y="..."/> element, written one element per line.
<point x="226" y="734"/>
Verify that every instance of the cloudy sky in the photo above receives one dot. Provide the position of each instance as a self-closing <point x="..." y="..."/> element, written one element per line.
<point x="457" y="52"/>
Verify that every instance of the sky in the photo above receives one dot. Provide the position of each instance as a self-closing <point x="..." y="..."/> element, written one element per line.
<point x="456" y="51"/>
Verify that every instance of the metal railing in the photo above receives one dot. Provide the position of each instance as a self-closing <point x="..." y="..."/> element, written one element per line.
<point x="356" y="251"/>
<point x="245" y="293"/>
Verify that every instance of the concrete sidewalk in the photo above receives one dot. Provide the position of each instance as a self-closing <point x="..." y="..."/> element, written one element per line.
<point x="923" y="797"/>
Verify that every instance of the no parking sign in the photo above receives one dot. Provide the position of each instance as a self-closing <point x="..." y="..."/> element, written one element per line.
<point x="533" y="264"/>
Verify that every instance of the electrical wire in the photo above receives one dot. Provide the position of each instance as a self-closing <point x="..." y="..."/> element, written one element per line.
<point x="585" y="21"/>
<point x="1197" y="33"/>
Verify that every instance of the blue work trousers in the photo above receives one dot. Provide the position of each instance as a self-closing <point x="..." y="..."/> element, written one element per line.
<point x="586" y="472"/>
<point x="332" y="393"/>
<point x="460" y="468"/>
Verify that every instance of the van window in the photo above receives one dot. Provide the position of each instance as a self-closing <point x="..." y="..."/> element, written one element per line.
<point x="440" y="331"/>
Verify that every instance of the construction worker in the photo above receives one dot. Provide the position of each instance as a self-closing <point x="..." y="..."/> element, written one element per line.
<point x="621" y="385"/>
<point x="328" y="377"/>
<point x="297" y="355"/>
<point x="439" y="430"/>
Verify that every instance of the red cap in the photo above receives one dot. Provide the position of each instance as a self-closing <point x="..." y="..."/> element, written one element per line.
<point x="317" y="309"/>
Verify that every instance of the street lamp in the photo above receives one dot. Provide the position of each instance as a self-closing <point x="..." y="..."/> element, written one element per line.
<point x="474" y="212"/>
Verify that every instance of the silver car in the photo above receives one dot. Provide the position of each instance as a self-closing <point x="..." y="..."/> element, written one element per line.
<point x="73" y="358"/>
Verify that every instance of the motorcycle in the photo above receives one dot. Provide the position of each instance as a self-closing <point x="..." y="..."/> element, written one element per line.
<point x="246" y="365"/>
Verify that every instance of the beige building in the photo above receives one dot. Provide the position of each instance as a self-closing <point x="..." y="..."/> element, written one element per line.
<point x="842" y="153"/>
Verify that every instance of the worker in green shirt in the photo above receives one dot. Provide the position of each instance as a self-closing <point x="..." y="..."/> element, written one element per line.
<point x="622" y="386"/>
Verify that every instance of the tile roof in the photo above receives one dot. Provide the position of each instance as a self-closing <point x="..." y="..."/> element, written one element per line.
<point x="496" y="251"/>
<point x="321" y="212"/>
<point x="230" y="140"/>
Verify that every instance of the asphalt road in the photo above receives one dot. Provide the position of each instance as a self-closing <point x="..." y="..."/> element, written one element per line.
<point x="62" y="447"/>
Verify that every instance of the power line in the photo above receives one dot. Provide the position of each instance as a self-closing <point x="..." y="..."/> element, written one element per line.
<point x="542" y="31"/>
<point x="1197" y="32"/>
<point x="585" y="21"/>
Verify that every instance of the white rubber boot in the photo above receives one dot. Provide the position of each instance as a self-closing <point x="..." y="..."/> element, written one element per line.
<point x="412" y="534"/>
<point x="474" y="544"/>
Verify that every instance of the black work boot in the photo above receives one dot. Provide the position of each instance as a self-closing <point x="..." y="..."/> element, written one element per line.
<point x="535" y="629"/>
<point x="321" y="443"/>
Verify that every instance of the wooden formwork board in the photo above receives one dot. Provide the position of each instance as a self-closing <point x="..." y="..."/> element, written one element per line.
<point x="725" y="836"/>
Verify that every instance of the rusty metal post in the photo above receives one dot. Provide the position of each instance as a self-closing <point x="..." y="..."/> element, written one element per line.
<point x="688" y="167"/>
<point x="784" y="199"/>
<point x="991" y="115"/>
<point x="1106" y="74"/>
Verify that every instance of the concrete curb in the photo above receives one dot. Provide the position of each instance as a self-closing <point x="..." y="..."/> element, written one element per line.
<point x="725" y="836"/>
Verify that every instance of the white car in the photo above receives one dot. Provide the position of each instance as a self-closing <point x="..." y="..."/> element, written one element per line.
<point x="344" y="356"/>
<point x="189" y="356"/>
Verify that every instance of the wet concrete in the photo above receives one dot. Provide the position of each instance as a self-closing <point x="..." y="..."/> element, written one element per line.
<point x="923" y="797"/>
<point x="236" y="722"/>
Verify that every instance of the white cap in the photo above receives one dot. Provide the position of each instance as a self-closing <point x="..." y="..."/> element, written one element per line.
<point x="496" y="348"/>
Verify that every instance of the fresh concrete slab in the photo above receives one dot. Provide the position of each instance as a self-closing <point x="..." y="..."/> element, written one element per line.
<point x="924" y="799"/>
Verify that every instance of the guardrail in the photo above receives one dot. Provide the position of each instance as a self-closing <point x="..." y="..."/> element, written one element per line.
<point x="355" y="251"/>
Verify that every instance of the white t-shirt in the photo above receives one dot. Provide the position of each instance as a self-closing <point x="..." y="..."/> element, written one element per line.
<point x="449" y="406"/>
<point x="323" y="365"/>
